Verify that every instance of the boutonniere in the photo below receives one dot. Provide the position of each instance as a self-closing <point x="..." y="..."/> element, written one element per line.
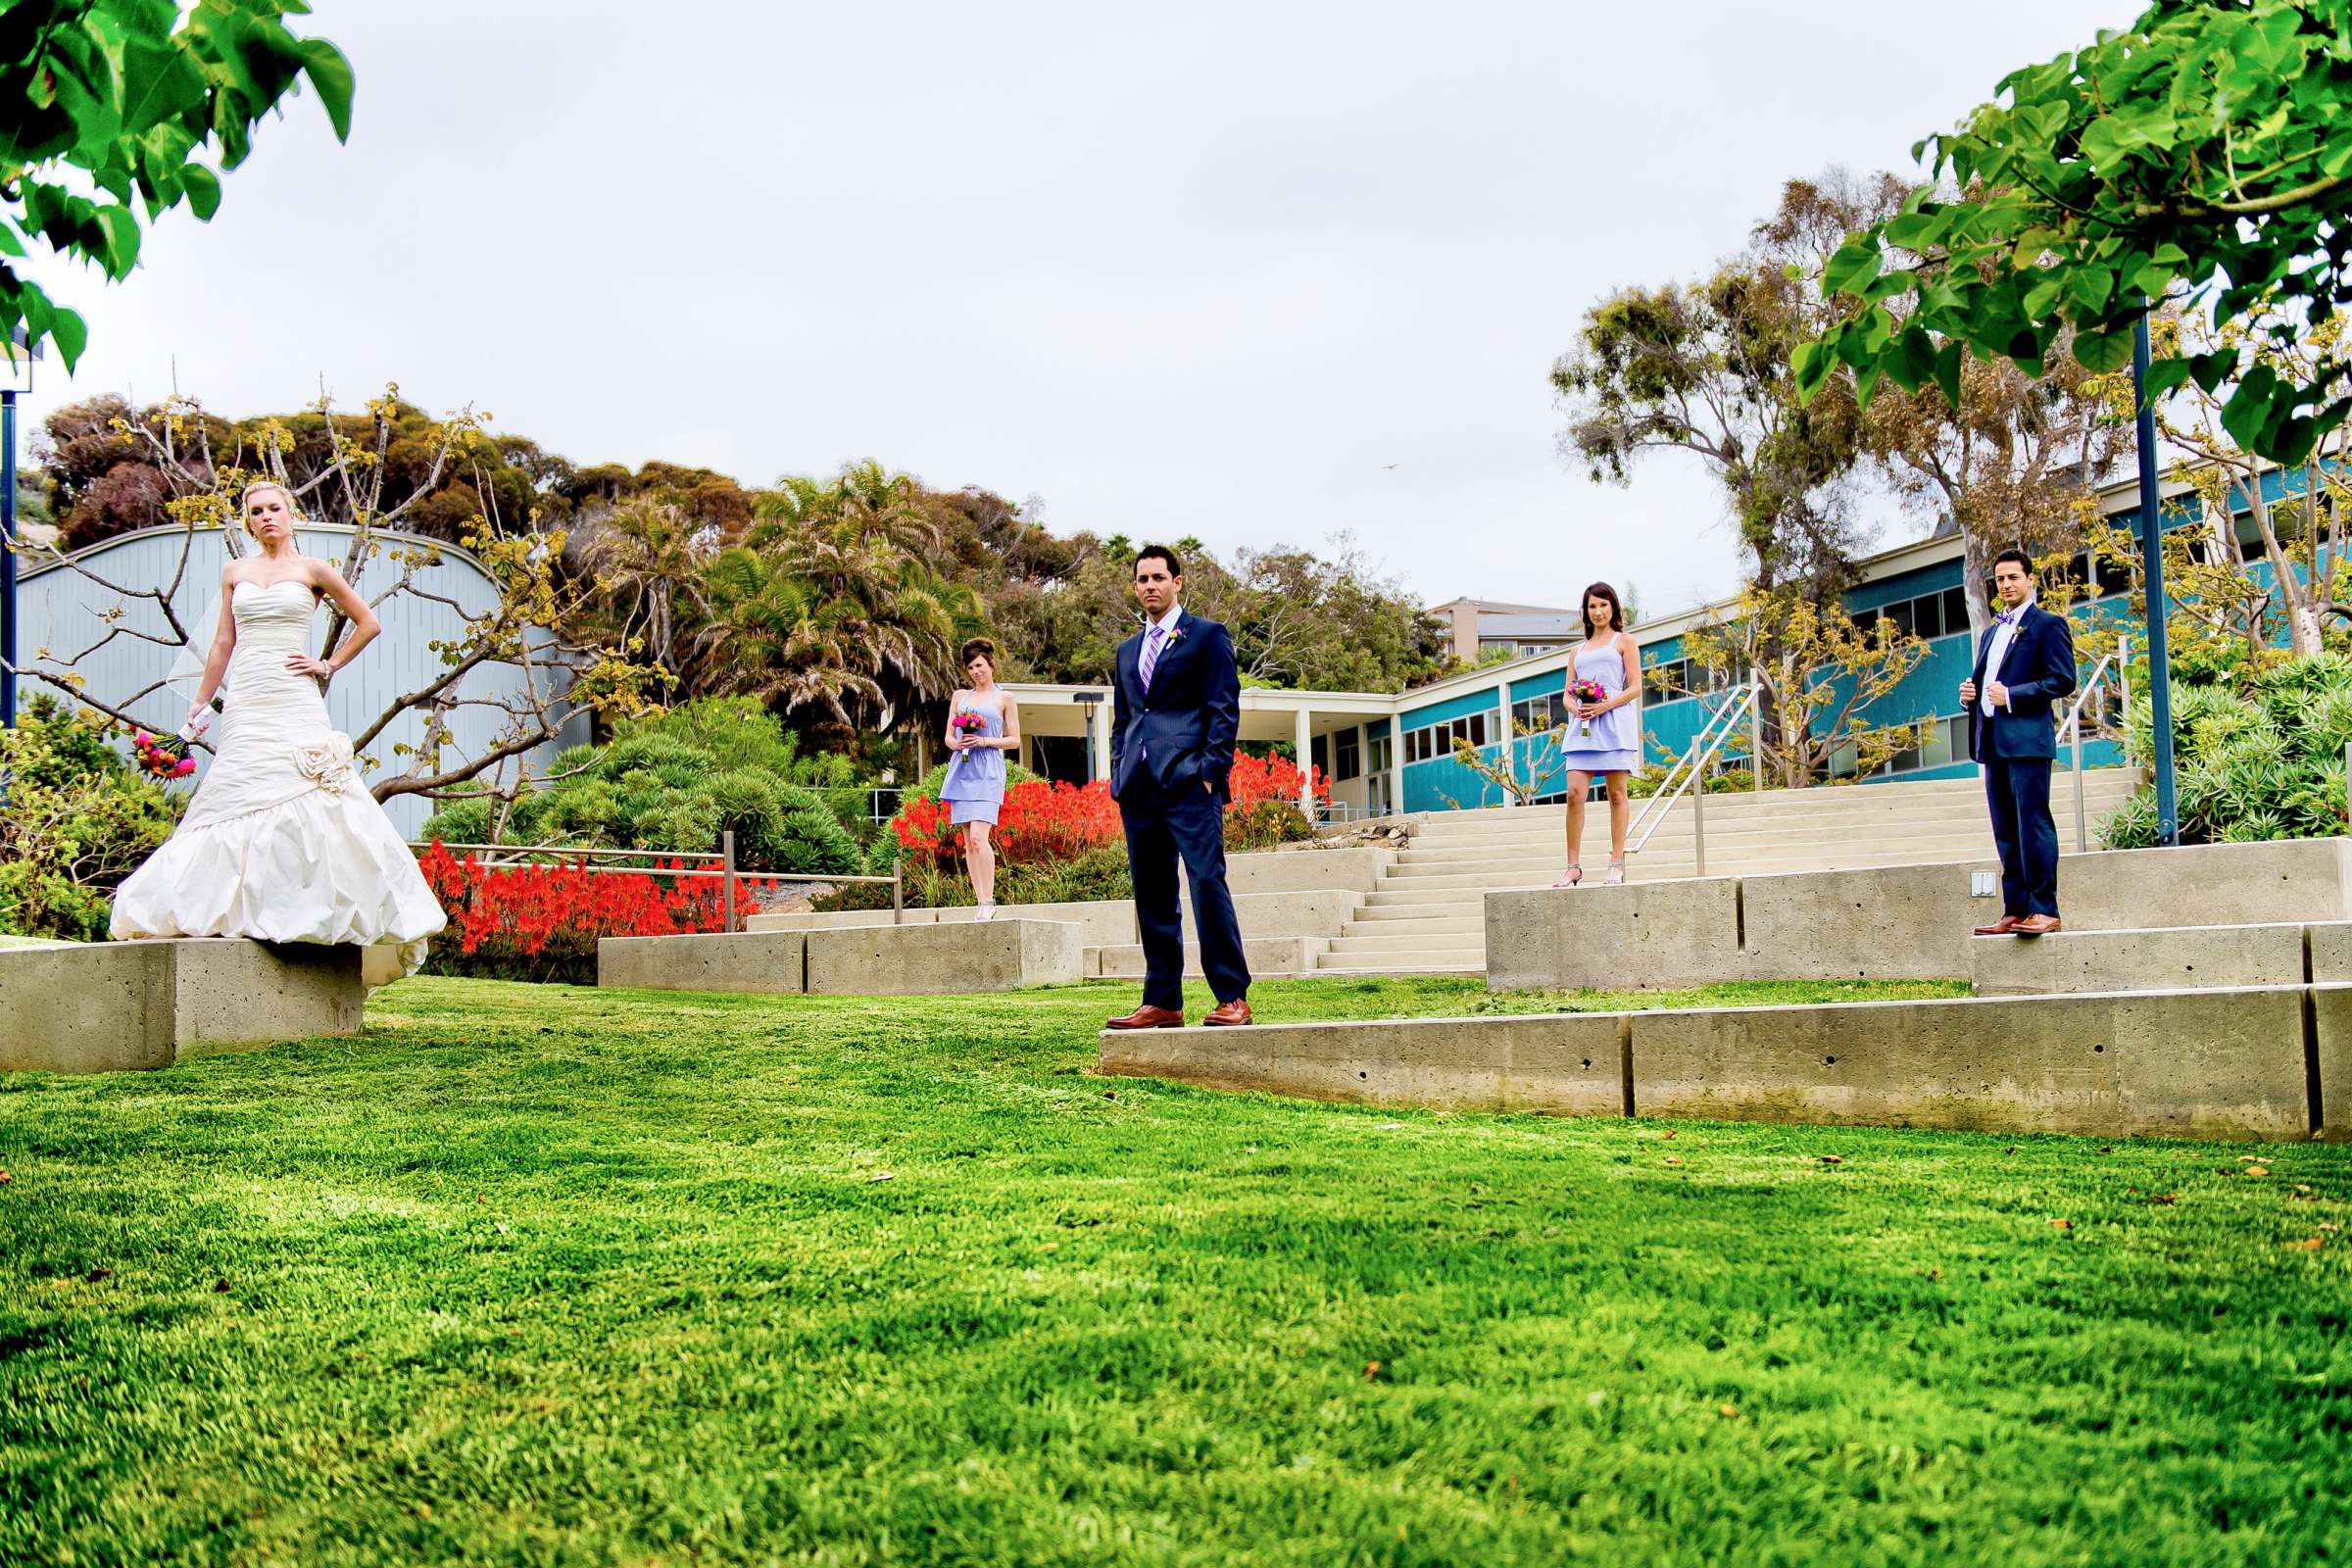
<point x="1176" y="636"/>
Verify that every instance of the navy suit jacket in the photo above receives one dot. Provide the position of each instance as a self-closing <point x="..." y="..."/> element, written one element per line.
<point x="2040" y="671"/>
<point x="1183" y="729"/>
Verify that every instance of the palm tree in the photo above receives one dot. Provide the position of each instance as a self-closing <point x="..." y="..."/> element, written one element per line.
<point x="645" y="552"/>
<point x="835" y="598"/>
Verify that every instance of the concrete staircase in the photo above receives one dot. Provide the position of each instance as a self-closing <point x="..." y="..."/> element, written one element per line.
<point x="1427" y="914"/>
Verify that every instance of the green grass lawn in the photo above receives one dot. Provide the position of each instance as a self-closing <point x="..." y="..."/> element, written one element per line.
<point x="552" y="1276"/>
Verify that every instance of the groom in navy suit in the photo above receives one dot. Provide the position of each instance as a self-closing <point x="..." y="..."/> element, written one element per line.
<point x="2025" y="667"/>
<point x="1177" y="713"/>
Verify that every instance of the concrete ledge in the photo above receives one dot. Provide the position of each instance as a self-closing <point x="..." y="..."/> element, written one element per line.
<point x="1905" y="922"/>
<point x="1895" y="922"/>
<point x="110" y="1006"/>
<point x="2139" y="960"/>
<point x="1356" y="869"/>
<point x="2181" y="1063"/>
<point x="1300" y="912"/>
<point x="1100" y="922"/>
<point x="2330" y="1059"/>
<point x="229" y="993"/>
<point x="943" y="959"/>
<point x="102" y="1007"/>
<point x="2236" y="1063"/>
<point x="1265" y="955"/>
<point x="834" y="919"/>
<point x="752" y="962"/>
<point x="2328" y="949"/>
<point x="1642" y="936"/>
<point x="2203" y="884"/>
<point x="1570" y="1064"/>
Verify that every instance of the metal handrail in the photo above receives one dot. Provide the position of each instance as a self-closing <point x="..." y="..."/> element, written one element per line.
<point x="1652" y="806"/>
<point x="2119" y="660"/>
<point x="1698" y="757"/>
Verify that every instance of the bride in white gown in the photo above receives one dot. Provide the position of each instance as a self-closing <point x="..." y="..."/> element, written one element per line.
<point x="282" y="842"/>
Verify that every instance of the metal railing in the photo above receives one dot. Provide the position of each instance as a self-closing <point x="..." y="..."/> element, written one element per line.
<point x="2118" y="663"/>
<point x="1692" y="767"/>
<point x="498" y="857"/>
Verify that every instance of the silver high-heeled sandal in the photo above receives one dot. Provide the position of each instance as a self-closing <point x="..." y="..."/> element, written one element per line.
<point x="1576" y="874"/>
<point x="1616" y="877"/>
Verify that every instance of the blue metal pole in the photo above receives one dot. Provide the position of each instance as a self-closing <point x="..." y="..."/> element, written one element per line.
<point x="2151" y="550"/>
<point x="8" y="560"/>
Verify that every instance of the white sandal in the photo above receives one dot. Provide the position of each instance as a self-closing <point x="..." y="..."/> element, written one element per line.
<point x="1576" y="874"/>
<point x="1616" y="877"/>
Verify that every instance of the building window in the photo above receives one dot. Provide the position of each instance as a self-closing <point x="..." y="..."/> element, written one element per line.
<point x="1678" y="678"/>
<point x="1376" y="755"/>
<point x="1431" y="740"/>
<point x="1533" y="715"/>
<point x="1347" y="757"/>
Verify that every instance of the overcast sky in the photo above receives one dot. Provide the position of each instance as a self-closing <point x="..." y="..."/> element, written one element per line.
<point x="1255" y="272"/>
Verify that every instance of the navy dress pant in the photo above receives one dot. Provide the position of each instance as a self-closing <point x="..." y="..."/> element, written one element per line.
<point x="1164" y="827"/>
<point x="2017" y="790"/>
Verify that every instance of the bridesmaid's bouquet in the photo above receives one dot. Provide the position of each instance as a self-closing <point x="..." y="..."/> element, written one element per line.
<point x="1587" y="690"/>
<point x="162" y="756"/>
<point x="968" y="723"/>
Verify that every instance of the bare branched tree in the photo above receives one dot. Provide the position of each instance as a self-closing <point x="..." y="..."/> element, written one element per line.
<point x="532" y="630"/>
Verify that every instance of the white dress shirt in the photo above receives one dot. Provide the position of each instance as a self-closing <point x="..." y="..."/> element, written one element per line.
<point x="2004" y="633"/>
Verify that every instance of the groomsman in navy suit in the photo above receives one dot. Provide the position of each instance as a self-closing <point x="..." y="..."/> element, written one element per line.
<point x="1173" y="733"/>
<point x="2025" y="667"/>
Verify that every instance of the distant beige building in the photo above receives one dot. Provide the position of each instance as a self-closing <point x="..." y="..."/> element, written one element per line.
<point x="1479" y="627"/>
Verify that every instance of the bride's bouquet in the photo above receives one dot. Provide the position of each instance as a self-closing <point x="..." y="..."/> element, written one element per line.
<point x="1587" y="690"/>
<point x="162" y="757"/>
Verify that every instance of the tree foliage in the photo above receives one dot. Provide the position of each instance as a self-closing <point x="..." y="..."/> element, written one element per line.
<point x="109" y="108"/>
<point x="2203" y="156"/>
<point x="2016" y="463"/>
<point x="1821" y="671"/>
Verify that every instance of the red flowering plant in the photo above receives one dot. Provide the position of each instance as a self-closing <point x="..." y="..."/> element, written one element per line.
<point x="543" y="921"/>
<point x="1264" y="808"/>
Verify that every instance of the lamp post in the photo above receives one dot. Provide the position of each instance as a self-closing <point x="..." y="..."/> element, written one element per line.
<point x="2151" y="551"/>
<point x="15" y="378"/>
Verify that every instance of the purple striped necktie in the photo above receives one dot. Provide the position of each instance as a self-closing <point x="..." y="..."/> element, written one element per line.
<point x="1150" y="658"/>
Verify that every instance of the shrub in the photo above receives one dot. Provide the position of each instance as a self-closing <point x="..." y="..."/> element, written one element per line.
<point x="678" y="782"/>
<point x="2258" y="755"/>
<point x="76" y="821"/>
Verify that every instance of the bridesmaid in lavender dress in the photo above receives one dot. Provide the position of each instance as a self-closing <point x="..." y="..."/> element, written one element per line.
<point x="975" y="786"/>
<point x="1603" y="737"/>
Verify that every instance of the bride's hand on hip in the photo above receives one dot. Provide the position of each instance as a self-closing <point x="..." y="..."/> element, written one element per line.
<point x="302" y="664"/>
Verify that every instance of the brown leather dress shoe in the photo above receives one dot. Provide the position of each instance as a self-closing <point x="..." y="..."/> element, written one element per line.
<point x="1229" y="1014"/>
<point x="1146" y="1016"/>
<point x="2001" y="927"/>
<point x="2038" y="925"/>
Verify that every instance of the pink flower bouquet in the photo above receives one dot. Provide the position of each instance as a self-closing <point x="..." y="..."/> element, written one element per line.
<point x="164" y="757"/>
<point x="1587" y="690"/>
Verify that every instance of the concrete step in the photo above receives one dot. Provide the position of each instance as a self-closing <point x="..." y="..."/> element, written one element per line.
<point x="1638" y="869"/>
<point x="1456" y="942"/>
<point x="1725" y="810"/>
<point x="2111" y="784"/>
<point x="1440" y="925"/>
<point x="1435" y="966"/>
<point x="1421" y="908"/>
<point x="1437" y="842"/>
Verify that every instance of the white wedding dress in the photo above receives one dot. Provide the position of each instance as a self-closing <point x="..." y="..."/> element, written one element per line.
<point x="282" y="842"/>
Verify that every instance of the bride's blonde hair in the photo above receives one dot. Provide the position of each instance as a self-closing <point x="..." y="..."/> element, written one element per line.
<point x="294" y="513"/>
<point x="245" y="500"/>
